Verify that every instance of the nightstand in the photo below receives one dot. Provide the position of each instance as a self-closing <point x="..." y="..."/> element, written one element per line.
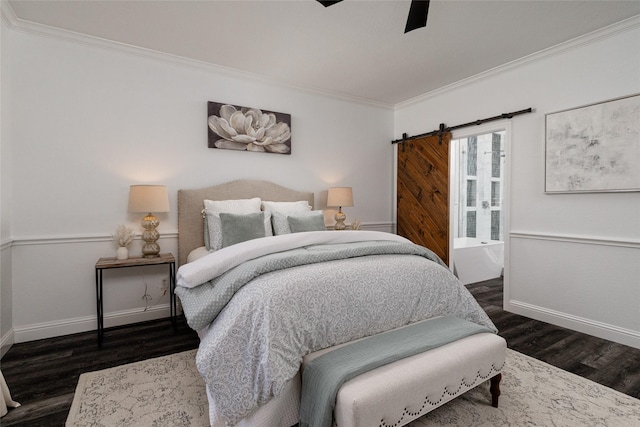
<point x="137" y="261"/>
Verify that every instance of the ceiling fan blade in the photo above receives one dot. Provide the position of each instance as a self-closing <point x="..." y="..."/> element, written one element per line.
<point x="418" y="13"/>
<point x="328" y="3"/>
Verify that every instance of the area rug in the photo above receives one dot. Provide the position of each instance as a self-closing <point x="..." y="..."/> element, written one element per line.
<point x="164" y="391"/>
<point x="168" y="391"/>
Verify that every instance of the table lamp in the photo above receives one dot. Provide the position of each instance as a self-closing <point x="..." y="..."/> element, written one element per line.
<point x="340" y="197"/>
<point x="148" y="199"/>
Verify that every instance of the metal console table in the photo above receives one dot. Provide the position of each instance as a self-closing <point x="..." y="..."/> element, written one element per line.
<point x="138" y="261"/>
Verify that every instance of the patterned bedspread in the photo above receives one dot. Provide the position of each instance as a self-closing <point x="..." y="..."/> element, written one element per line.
<point x="257" y="341"/>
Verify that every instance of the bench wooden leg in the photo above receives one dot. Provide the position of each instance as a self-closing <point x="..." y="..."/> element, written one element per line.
<point x="495" y="389"/>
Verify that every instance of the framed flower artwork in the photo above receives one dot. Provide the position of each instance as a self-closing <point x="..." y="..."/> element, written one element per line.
<point x="240" y="128"/>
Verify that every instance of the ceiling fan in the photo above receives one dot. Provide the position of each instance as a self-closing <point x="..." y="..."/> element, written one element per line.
<point x="417" y="13"/>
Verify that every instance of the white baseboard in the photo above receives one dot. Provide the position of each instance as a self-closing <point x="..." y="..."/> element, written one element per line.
<point x="6" y="342"/>
<point x="83" y="324"/>
<point x="576" y="323"/>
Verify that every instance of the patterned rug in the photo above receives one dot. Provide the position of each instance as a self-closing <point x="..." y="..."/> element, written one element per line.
<point x="168" y="391"/>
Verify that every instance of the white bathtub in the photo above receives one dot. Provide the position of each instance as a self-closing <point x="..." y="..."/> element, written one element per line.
<point x="475" y="260"/>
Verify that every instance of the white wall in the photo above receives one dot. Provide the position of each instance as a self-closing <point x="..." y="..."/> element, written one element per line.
<point x="6" y="312"/>
<point x="84" y="119"/>
<point x="573" y="259"/>
<point x="90" y="118"/>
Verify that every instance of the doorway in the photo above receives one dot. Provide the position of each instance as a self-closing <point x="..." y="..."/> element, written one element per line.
<point x="478" y="177"/>
<point x="478" y="214"/>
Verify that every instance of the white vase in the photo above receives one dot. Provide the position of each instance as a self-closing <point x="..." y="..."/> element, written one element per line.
<point x="122" y="253"/>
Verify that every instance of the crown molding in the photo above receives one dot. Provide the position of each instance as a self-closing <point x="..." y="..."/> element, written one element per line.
<point x="628" y="24"/>
<point x="7" y="14"/>
<point x="5" y="244"/>
<point x="16" y="24"/>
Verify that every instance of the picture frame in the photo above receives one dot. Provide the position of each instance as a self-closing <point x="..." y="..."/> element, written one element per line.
<point x="241" y="128"/>
<point x="594" y="148"/>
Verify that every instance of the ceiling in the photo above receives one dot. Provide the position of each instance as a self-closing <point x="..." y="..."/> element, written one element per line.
<point x="354" y="48"/>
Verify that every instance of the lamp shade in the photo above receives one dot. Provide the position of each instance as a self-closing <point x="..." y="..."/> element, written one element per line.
<point x="148" y="198"/>
<point x="340" y="197"/>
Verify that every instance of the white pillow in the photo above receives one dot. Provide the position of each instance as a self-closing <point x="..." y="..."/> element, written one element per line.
<point x="213" y="229"/>
<point x="239" y="206"/>
<point x="280" y="220"/>
<point x="286" y="207"/>
<point x="212" y="232"/>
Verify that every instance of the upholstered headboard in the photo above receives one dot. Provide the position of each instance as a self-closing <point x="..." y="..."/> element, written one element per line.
<point x="190" y="205"/>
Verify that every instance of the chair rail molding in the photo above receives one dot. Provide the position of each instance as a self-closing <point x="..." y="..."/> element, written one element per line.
<point x="580" y="239"/>
<point x="55" y="240"/>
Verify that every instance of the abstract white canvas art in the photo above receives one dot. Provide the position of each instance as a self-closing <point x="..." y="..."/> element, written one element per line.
<point x="595" y="148"/>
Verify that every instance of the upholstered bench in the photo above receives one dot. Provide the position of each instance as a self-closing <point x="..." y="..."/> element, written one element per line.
<point x="399" y="392"/>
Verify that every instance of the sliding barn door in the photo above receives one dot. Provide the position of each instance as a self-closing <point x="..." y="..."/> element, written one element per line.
<point x="423" y="192"/>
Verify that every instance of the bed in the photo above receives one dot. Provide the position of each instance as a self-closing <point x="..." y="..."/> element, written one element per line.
<point x="261" y="305"/>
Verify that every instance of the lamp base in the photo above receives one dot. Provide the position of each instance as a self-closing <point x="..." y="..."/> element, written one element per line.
<point x="340" y="217"/>
<point x="150" y="235"/>
<point x="150" y="250"/>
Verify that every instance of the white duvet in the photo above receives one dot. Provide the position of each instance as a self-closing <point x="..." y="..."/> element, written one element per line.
<point x="216" y="263"/>
<point x="257" y="342"/>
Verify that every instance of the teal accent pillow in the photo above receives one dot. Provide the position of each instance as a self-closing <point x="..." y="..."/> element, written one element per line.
<point x="213" y="228"/>
<point x="238" y="228"/>
<point x="308" y="222"/>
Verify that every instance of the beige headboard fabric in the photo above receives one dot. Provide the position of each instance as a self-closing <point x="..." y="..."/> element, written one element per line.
<point x="191" y="203"/>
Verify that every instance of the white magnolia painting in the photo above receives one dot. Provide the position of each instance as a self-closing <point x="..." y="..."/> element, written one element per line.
<point x="594" y="148"/>
<point x="248" y="129"/>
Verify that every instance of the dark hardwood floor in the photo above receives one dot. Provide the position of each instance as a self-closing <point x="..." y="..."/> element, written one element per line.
<point x="42" y="375"/>
<point x="611" y="364"/>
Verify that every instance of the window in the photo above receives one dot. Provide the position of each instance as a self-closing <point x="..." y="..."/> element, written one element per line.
<point x="479" y="162"/>
<point x="471" y="192"/>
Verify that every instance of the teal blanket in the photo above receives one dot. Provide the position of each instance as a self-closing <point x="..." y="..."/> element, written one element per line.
<point x="323" y="376"/>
